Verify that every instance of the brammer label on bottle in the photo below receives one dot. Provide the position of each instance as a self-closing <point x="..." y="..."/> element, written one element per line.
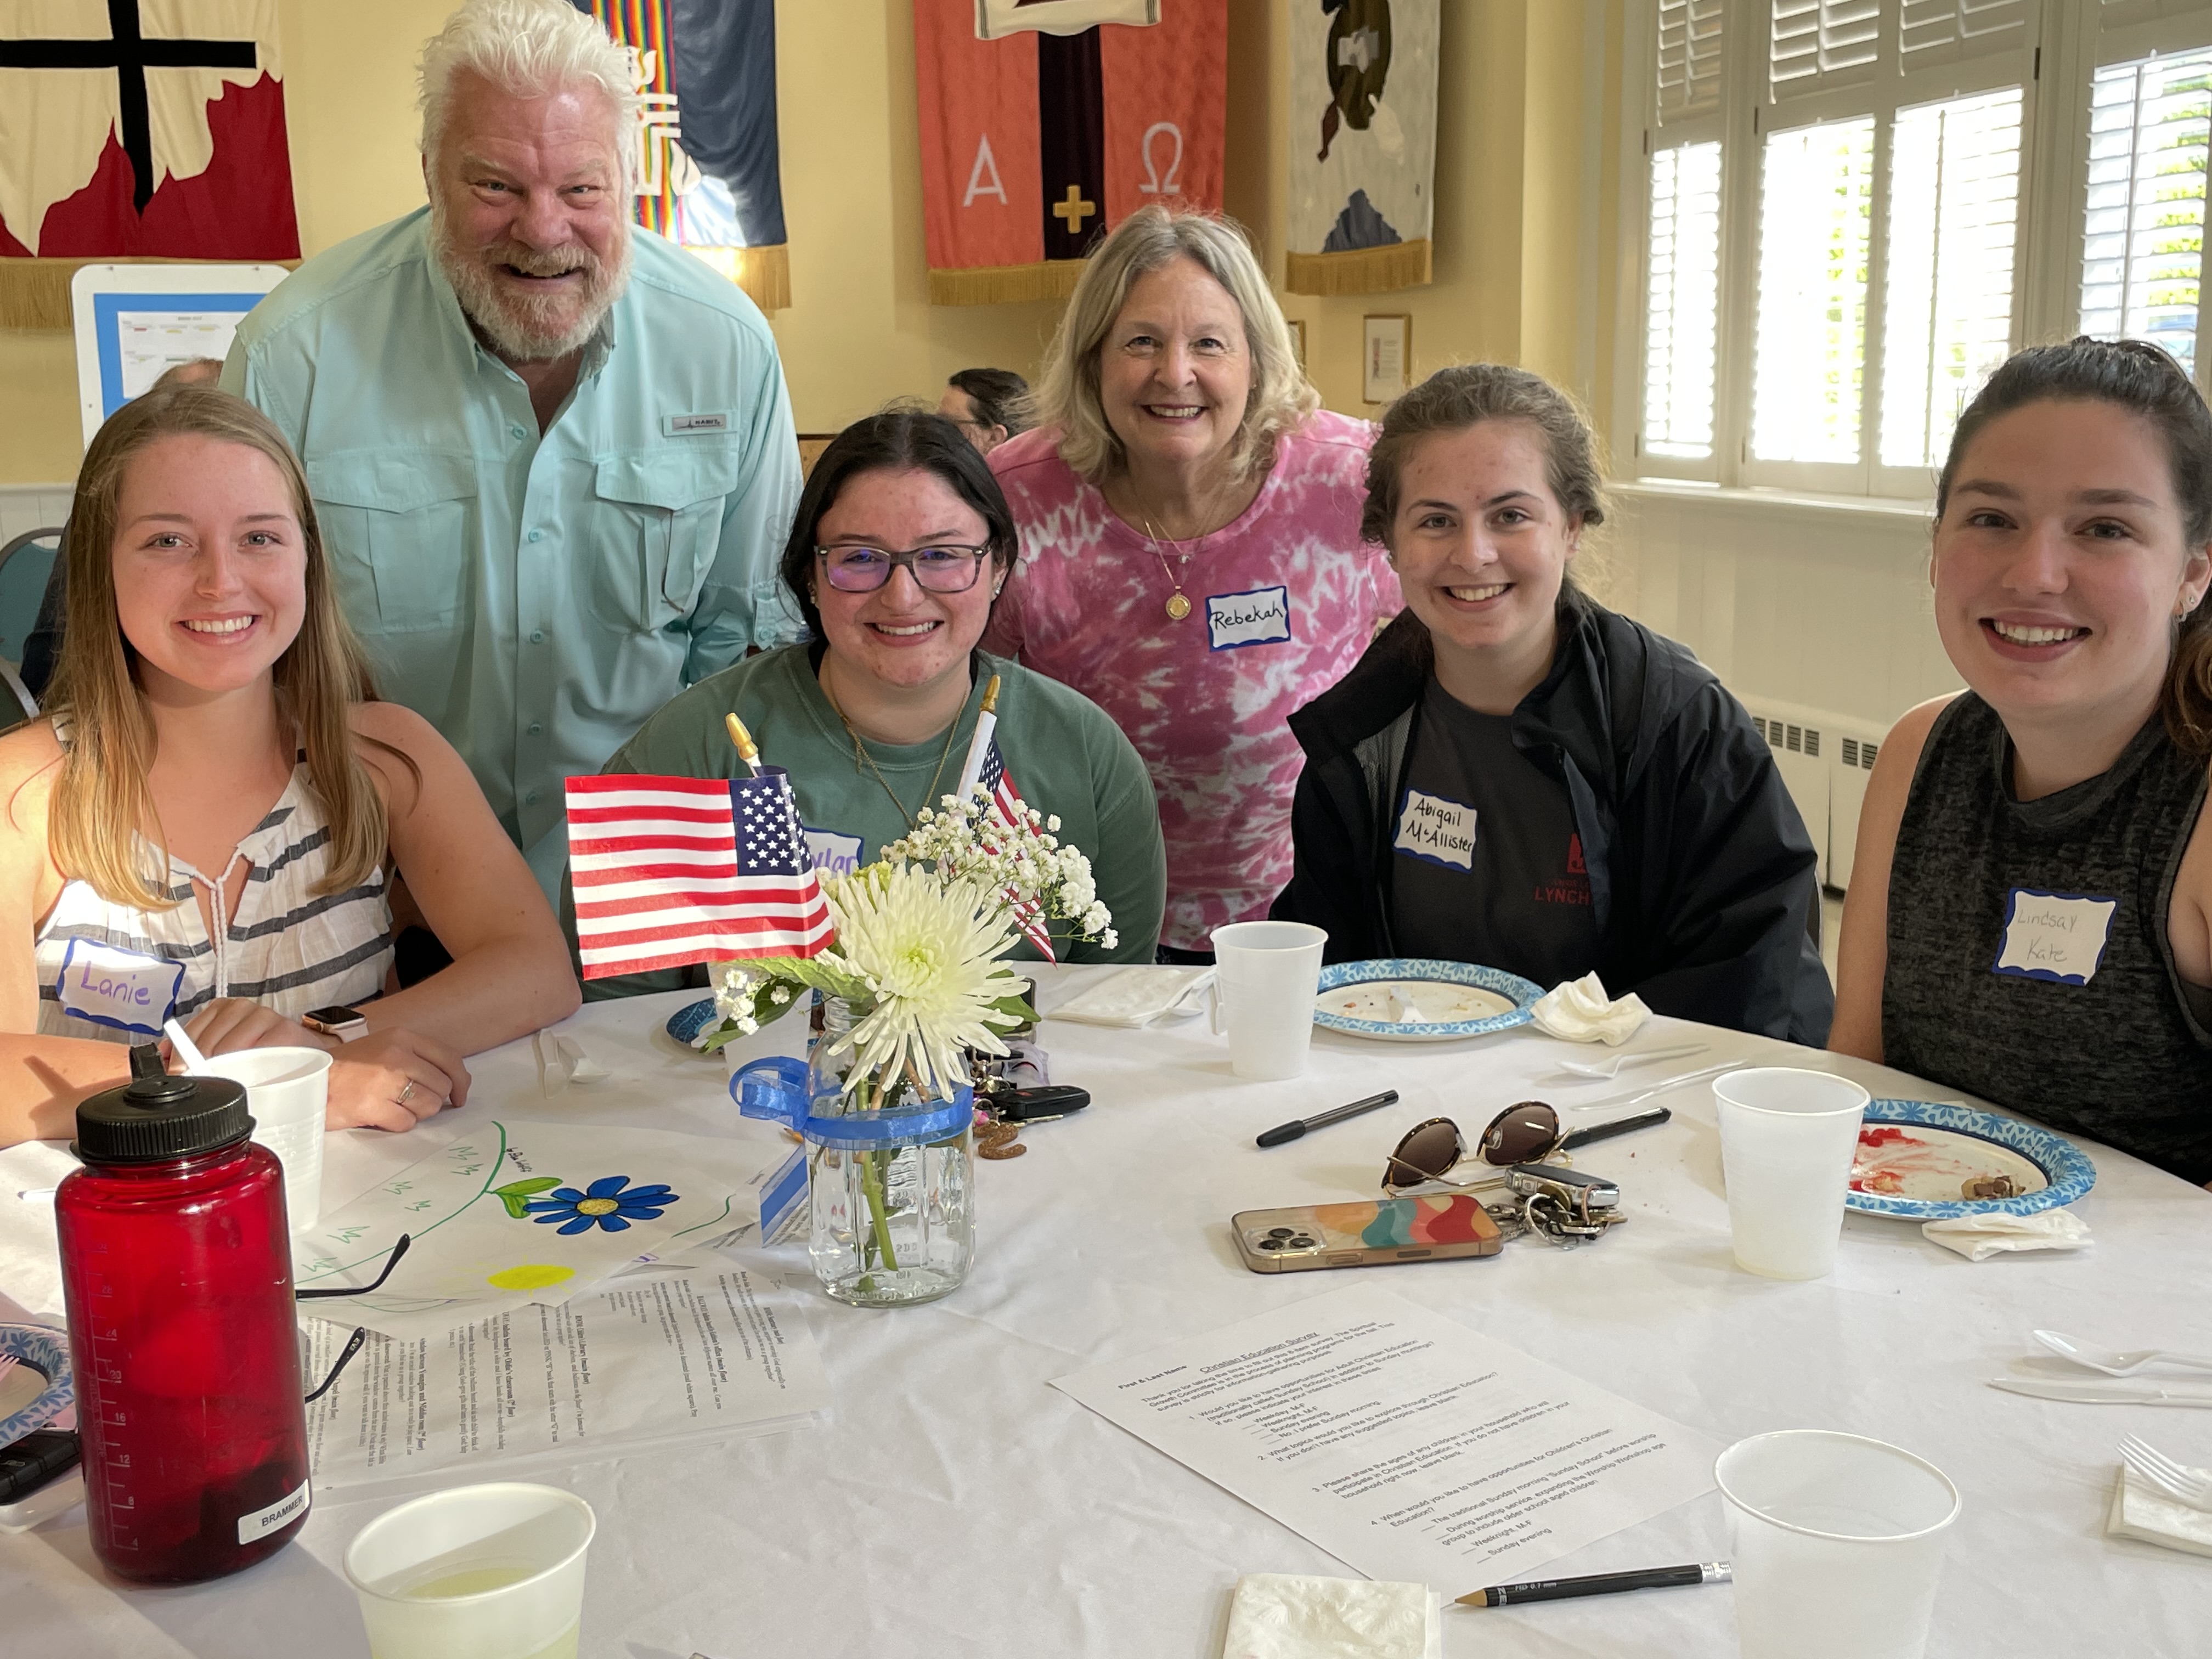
<point x="282" y="1513"/>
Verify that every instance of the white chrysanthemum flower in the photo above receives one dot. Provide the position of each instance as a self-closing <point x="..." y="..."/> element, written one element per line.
<point x="930" y="952"/>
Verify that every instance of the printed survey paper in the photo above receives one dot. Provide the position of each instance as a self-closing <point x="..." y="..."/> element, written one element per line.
<point x="1402" y="1443"/>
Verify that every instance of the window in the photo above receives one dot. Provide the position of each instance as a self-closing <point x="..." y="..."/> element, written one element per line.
<point x="1854" y="210"/>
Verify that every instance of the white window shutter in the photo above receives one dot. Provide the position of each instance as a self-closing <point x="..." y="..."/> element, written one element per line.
<point x="1815" y="44"/>
<point x="1932" y="32"/>
<point x="1816" y="204"/>
<point x="1681" y="325"/>
<point x="1947" y="283"/>
<point x="1689" y="58"/>
<point x="2142" y="246"/>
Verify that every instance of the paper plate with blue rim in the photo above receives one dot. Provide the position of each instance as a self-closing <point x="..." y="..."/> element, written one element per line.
<point x="39" y="1389"/>
<point x="693" y="1018"/>
<point x="1419" y="1000"/>
<point x="1921" y="1160"/>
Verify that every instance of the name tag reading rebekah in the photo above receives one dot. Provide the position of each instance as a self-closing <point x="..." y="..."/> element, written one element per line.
<point x="1260" y="617"/>
<point x="2059" y="937"/>
<point x="1440" y="830"/>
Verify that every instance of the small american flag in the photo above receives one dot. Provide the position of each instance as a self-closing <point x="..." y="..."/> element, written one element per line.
<point x="1012" y="812"/>
<point x="673" y="870"/>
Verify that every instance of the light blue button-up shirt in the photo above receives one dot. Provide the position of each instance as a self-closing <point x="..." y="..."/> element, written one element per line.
<point x="535" y="598"/>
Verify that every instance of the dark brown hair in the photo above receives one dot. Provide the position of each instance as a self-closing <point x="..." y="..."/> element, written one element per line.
<point x="2146" y="382"/>
<point x="1453" y="400"/>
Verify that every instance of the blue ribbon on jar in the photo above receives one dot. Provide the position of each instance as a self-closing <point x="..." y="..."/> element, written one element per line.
<point x="776" y="1090"/>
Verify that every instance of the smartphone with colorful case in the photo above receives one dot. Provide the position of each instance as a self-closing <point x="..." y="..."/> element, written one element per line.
<point x="1370" y="1235"/>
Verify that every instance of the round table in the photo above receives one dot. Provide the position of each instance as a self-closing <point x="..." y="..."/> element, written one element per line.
<point x="954" y="1504"/>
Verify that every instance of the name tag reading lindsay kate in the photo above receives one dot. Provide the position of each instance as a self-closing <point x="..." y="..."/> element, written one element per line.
<point x="1261" y="617"/>
<point x="1442" y="831"/>
<point x="2055" y="936"/>
<point x="120" y="989"/>
<point x="833" y="855"/>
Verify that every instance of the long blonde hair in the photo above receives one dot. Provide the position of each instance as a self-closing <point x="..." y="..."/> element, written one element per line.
<point x="101" y="801"/>
<point x="1280" y="397"/>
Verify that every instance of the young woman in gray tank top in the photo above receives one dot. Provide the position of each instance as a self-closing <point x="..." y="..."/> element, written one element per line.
<point x="2028" y="917"/>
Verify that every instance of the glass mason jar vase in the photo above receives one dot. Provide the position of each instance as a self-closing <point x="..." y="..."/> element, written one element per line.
<point x="890" y="1170"/>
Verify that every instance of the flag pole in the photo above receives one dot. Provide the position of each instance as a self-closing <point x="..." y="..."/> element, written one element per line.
<point x="987" y="720"/>
<point x="748" y="751"/>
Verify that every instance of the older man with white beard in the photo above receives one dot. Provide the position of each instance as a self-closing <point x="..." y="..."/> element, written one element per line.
<point x="551" y="454"/>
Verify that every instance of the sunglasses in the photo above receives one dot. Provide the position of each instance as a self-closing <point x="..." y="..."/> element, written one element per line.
<point x="1525" y="1133"/>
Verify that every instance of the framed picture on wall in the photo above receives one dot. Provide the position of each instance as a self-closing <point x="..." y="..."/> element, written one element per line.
<point x="1298" y="340"/>
<point x="1387" y="356"/>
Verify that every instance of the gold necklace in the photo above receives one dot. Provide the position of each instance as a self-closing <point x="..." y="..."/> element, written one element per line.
<point x="1178" y="605"/>
<point x="861" y="754"/>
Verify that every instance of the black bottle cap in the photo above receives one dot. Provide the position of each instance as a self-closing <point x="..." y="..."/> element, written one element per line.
<point x="155" y="1117"/>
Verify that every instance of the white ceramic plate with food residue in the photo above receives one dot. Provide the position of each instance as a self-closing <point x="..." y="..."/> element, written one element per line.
<point x="1419" y="999"/>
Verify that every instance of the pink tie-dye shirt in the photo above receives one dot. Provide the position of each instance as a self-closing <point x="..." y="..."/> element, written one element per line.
<point x="1283" y="601"/>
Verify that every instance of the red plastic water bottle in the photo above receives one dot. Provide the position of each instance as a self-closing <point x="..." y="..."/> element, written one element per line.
<point x="177" y="1268"/>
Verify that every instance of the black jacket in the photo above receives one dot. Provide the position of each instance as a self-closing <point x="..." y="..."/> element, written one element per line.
<point x="1702" y="876"/>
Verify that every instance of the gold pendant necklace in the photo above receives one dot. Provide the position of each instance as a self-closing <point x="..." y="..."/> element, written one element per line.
<point x="1178" y="605"/>
<point x="861" y="753"/>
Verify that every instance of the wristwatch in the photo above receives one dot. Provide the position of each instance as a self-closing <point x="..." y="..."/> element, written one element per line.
<point x="346" y="1025"/>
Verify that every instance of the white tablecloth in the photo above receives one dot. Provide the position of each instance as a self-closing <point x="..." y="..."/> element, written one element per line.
<point x="957" y="1505"/>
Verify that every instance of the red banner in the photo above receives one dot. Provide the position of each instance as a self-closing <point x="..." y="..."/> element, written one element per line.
<point x="1034" y="143"/>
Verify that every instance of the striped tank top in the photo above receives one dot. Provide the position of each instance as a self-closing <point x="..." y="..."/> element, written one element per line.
<point x="114" y="972"/>
<point x="2028" y="958"/>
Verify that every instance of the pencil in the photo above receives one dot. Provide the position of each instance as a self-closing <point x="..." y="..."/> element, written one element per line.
<point x="1601" y="1583"/>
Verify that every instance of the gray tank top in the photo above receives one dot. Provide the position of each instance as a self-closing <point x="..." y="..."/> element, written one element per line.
<point x="2029" y="959"/>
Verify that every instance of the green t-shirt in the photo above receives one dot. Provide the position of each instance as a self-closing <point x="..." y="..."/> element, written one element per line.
<point x="1065" y="758"/>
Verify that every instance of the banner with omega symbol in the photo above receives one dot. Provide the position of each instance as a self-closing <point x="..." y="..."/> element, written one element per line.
<point x="1362" y="118"/>
<point x="1044" y="123"/>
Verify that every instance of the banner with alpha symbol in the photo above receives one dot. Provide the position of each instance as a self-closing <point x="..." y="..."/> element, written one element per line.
<point x="1046" y="123"/>
<point x="1363" y="119"/>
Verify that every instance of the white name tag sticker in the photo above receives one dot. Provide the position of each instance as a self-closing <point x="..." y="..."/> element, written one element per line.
<point x="1442" y="831"/>
<point x="120" y="989"/>
<point x="2058" y="937"/>
<point x="833" y="855"/>
<point x="1258" y="616"/>
<point x="677" y="425"/>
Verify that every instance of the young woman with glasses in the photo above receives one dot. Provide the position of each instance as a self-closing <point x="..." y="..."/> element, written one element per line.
<point x="901" y="546"/>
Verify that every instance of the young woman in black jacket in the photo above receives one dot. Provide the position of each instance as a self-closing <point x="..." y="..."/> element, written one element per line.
<point x="1516" y="776"/>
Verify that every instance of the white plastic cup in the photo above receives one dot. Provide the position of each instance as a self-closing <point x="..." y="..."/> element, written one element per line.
<point x="1787" y="1139"/>
<point x="495" y="1572"/>
<point x="286" y="1092"/>
<point x="1837" y="1542"/>
<point x="1265" y="976"/>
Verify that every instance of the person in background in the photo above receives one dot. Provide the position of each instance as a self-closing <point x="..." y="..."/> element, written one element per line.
<point x="1191" y="559"/>
<point x="901" y="546"/>
<point x="989" y="405"/>
<point x="2030" y="912"/>
<point x="1516" y="776"/>
<point x="202" y="826"/>
<point x="551" y="453"/>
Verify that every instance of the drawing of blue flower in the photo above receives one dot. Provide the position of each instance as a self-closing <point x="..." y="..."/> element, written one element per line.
<point x="603" y="1203"/>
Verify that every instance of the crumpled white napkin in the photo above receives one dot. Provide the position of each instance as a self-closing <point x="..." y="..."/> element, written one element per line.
<point x="2141" y="1512"/>
<point x="1279" y="1615"/>
<point x="1580" y="1011"/>
<point x="562" y="1063"/>
<point x="1978" y="1237"/>
<point x="1137" y="996"/>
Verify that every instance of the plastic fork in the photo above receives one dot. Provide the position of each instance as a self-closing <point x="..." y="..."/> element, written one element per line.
<point x="2180" y="1483"/>
<point x="1606" y="1068"/>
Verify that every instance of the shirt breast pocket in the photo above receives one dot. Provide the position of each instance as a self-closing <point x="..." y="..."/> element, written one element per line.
<point x="658" y="523"/>
<point x="395" y="529"/>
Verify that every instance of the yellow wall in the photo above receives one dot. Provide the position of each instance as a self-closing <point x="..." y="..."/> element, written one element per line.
<point x="1511" y="241"/>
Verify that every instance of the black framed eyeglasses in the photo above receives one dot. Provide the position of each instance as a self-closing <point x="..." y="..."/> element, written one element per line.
<point x="939" y="569"/>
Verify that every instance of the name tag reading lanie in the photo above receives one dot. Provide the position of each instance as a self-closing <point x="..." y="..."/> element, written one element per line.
<point x="2059" y="937"/>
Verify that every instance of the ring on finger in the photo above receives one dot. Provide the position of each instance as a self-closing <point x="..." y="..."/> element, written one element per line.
<point x="407" y="1093"/>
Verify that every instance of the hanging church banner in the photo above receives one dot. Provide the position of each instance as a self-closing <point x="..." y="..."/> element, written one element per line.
<point x="136" y="130"/>
<point x="1045" y="123"/>
<point x="1363" y="113"/>
<point x="709" y="173"/>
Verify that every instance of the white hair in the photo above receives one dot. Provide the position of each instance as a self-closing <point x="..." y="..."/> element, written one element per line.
<point x="527" y="49"/>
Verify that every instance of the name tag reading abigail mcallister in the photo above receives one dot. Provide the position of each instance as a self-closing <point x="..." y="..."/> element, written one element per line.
<point x="1260" y="617"/>
<point x="2054" y="936"/>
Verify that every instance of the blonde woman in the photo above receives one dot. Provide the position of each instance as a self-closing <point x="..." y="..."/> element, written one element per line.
<point x="204" y="827"/>
<point x="1190" y="551"/>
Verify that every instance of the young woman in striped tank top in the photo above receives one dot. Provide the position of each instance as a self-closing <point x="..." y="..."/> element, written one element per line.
<point x="2030" y="915"/>
<point x="205" y="826"/>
